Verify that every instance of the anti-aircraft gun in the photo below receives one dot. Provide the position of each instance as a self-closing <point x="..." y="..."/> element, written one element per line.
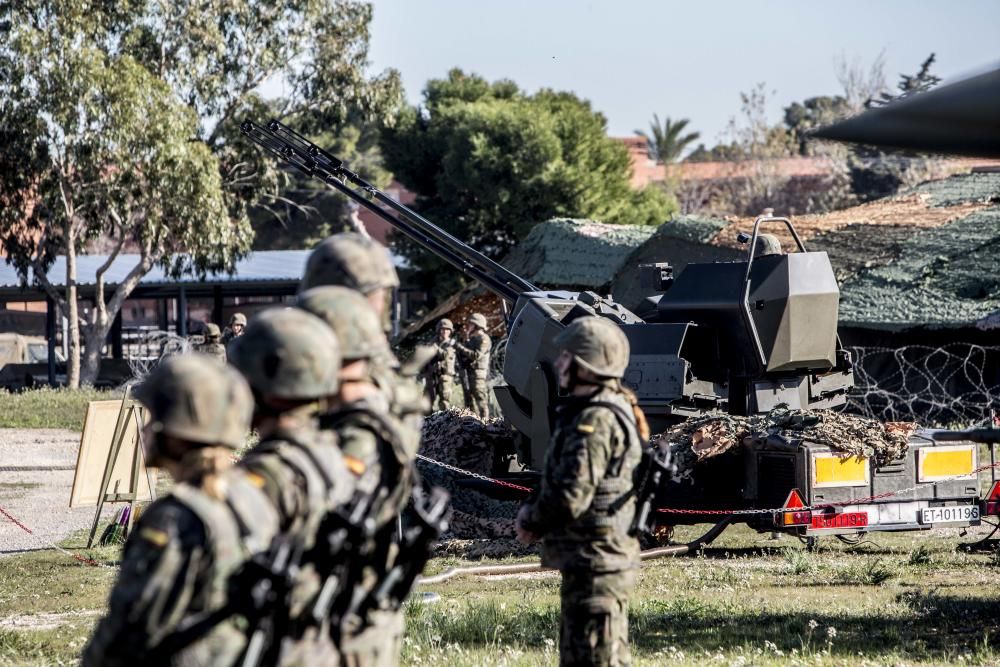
<point x="725" y="337"/>
<point x="737" y="337"/>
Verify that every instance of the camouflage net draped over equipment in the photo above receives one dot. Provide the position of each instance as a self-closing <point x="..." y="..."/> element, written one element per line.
<point x="480" y="526"/>
<point x="702" y="438"/>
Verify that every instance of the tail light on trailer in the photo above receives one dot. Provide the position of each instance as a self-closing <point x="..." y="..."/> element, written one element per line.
<point x="992" y="501"/>
<point x="793" y="513"/>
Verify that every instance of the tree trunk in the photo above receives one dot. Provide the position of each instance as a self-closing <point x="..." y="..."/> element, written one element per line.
<point x="95" y="337"/>
<point x="73" y="314"/>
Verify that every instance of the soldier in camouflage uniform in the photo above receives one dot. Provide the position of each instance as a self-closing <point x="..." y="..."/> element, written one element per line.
<point x="585" y="506"/>
<point x="378" y="451"/>
<point x="213" y="346"/>
<point x="358" y="262"/>
<point x="185" y="546"/>
<point x="474" y="354"/>
<point x="441" y="370"/>
<point x="237" y="325"/>
<point x="291" y="360"/>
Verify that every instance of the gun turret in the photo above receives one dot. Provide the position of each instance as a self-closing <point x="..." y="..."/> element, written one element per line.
<point x="738" y="337"/>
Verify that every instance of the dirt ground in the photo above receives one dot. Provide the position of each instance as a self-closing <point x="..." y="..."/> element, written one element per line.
<point x="36" y="476"/>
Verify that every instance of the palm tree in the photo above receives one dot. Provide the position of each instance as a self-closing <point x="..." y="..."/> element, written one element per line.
<point x="666" y="144"/>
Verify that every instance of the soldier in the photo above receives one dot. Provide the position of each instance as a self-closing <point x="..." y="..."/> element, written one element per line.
<point x="355" y="261"/>
<point x="441" y="370"/>
<point x="237" y="323"/>
<point x="585" y="506"/>
<point x="377" y="451"/>
<point x="213" y="343"/>
<point x="359" y="263"/>
<point x="187" y="544"/>
<point x="474" y="353"/>
<point x="291" y="360"/>
<point x="767" y="244"/>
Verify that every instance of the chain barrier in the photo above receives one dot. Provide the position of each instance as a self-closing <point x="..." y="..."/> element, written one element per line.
<point x="476" y="475"/>
<point x="49" y="543"/>
<point x="739" y="512"/>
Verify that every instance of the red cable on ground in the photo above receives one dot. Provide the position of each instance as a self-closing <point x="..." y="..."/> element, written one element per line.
<point x="82" y="559"/>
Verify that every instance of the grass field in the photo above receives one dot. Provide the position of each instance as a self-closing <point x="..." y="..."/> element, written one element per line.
<point x="899" y="599"/>
<point x="49" y="408"/>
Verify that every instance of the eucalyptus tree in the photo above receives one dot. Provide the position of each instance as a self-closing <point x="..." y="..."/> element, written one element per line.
<point x="119" y="123"/>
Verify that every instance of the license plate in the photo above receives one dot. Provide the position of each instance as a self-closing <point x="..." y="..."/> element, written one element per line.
<point x="842" y="520"/>
<point x="953" y="514"/>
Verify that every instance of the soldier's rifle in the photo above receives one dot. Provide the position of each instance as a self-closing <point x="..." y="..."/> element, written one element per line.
<point x="654" y="470"/>
<point x="430" y="520"/>
<point x="295" y="150"/>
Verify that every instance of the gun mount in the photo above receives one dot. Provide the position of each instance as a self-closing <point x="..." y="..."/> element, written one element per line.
<point x="738" y="337"/>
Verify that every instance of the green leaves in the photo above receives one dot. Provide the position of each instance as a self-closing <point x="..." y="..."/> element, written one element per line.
<point x="489" y="161"/>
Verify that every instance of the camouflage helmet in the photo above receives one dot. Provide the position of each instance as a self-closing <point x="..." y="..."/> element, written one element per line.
<point x="767" y="244"/>
<point x="596" y="344"/>
<point x="478" y="320"/>
<point x="444" y="323"/>
<point x="238" y="318"/>
<point x="350" y="316"/>
<point x="197" y="398"/>
<point x="212" y="330"/>
<point x="350" y="260"/>
<point x="288" y="354"/>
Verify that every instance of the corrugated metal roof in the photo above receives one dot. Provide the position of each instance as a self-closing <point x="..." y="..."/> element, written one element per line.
<point x="258" y="266"/>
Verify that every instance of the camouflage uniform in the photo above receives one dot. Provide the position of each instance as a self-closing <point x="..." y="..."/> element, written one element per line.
<point x="442" y="369"/>
<point x="379" y="449"/>
<point x="353" y="261"/>
<point x="474" y="354"/>
<point x="585" y="505"/>
<point x="291" y="360"/>
<point x="231" y="333"/>
<point x="186" y="545"/>
<point x="212" y="345"/>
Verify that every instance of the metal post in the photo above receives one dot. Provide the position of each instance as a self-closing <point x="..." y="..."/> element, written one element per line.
<point x="182" y="312"/>
<point x="50" y="334"/>
<point x="116" y="337"/>
<point x="217" y="304"/>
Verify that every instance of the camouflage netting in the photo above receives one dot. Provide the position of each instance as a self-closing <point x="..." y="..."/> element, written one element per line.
<point x="579" y="253"/>
<point x="702" y="438"/>
<point x="480" y="526"/>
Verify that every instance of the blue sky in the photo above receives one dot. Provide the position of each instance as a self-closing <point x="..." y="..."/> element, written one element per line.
<point x="635" y="58"/>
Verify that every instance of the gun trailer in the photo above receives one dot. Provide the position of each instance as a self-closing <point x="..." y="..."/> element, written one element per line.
<point x="740" y="338"/>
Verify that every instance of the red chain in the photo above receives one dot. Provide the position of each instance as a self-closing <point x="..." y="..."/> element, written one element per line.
<point x="82" y="559"/>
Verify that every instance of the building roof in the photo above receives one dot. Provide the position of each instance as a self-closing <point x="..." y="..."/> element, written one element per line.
<point x="575" y="253"/>
<point x="271" y="267"/>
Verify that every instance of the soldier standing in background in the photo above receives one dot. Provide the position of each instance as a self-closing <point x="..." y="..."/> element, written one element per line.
<point x="441" y="370"/>
<point x="585" y="506"/>
<point x="378" y="452"/>
<point x="213" y="343"/>
<point x="292" y="360"/>
<point x="186" y="545"/>
<point x="237" y="323"/>
<point x="474" y="354"/>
